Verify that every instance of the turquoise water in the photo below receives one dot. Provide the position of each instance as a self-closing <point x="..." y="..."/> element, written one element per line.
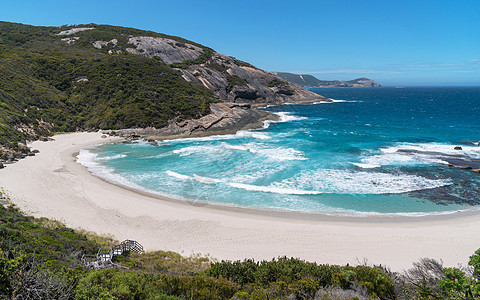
<point x="381" y="151"/>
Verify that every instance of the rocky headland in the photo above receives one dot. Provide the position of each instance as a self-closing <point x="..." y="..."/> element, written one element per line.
<point x="98" y="77"/>
<point x="309" y="81"/>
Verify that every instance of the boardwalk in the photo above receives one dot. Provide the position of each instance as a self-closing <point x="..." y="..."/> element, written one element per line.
<point x="103" y="258"/>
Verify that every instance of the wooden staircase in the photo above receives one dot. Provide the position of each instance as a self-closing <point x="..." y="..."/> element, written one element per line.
<point x="104" y="256"/>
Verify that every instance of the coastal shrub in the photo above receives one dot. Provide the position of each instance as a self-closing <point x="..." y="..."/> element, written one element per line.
<point x="241" y="63"/>
<point x="216" y="66"/>
<point x="55" y="243"/>
<point x="265" y="272"/>
<point x="276" y="82"/>
<point x="422" y="280"/>
<point x="168" y="262"/>
<point x="197" y="287"/>
<point x="116" y="284"/>
<point x="234" y="81"/>
<point x="201" y="59"/>
<point x="463" y="284"/>
<point x="375" y="279"/>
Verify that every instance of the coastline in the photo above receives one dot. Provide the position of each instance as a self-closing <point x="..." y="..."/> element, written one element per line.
<point x="51" y="184"/>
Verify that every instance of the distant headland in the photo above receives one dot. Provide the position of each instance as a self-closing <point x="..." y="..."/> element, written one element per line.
<point x="309" y="81"/>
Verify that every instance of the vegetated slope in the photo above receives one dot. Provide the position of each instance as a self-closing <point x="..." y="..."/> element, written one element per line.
<point x="41" y="259"/>
<point x="106" y="77"/>
<point x="305" y="80"/>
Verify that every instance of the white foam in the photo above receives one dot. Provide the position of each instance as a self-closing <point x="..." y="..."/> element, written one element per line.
<point x="387" y="159"/>
<point x="289" y="117"/>
<point x="337" y="101"/>
<point x="354" y="213"/>
<point x="235" y="147"/>
<point x="352" y="182"/>
<point x="89" y="159"/>
<point x="195" y="149"/>
<point x="449" y="149"/>
<point x="366" y="166"/>
<point x="202" y="179"/>
<point x="206" y="180"/>
<point x="391" y="156"/>
<point x="278" y="153"/>
<point x="112" y="157"/>
<point x="254" y="134"/>
<point x="272" y="189"/>
<point x="178" y="176"/>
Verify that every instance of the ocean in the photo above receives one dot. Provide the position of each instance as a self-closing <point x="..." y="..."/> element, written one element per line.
<point x="371" y="152"/>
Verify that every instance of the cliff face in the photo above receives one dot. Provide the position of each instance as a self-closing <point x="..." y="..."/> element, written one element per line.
<point x="310" y="81"/>
<point x="230" y="79"/>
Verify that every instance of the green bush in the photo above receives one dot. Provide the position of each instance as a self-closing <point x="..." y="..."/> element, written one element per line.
<point x="276" y="82"/>
<point x="115" y="284"/>
<point x="234" y="81"/>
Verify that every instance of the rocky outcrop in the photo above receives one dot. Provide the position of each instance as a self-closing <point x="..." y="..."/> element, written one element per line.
<point x="231" y="80"/>
<point x="74" y="30"/>
<point x="9" y="155"/>
<point x="168" y="50"/>
<point x="225" y="118"/>
<point x="258" y="87"/>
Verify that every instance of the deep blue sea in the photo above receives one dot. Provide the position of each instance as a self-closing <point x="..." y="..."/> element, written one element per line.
<point x="373" y="151"/>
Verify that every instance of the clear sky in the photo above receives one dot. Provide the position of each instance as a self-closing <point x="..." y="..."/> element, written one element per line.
<point x="396" y="42"/>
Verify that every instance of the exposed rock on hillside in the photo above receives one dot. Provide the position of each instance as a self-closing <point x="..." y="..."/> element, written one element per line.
<point x="168" y="50"/>
<point x="74" y="30"/>
<point x="224" y="118"/>
<point x="230" y="79"/>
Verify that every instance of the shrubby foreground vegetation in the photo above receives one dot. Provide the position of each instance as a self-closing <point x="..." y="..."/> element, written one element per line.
<point x="41" y="259"/>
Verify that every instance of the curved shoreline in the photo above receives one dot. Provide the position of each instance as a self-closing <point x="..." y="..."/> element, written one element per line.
<point x="300" y="215"/>
<point x="51" y="184"/>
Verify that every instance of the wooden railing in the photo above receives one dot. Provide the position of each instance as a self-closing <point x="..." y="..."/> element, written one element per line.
<point x="104" y="256"/>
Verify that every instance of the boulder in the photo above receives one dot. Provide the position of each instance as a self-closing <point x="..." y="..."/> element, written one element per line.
<point x="36" y="151"/>
<point x="104" y="136"/>
<point x="458" y="148"/>
<point x="23" y="148"/>
<point x="1" y="165"/>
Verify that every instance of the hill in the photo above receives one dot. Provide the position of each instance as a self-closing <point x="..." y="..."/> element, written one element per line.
<point x="90" y="77"/>
<point x="305" y="80"/>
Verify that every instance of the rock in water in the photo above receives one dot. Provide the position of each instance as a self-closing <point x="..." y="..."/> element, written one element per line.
<point x="458" y="148"/>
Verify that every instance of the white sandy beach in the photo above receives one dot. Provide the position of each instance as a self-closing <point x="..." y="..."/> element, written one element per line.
<point x="51" y="184"/>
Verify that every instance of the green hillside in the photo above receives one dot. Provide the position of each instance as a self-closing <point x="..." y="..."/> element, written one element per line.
<point x="48" y="85"/>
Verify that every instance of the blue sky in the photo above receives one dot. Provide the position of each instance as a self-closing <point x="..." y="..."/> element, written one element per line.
<point x="394" y="42"/>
